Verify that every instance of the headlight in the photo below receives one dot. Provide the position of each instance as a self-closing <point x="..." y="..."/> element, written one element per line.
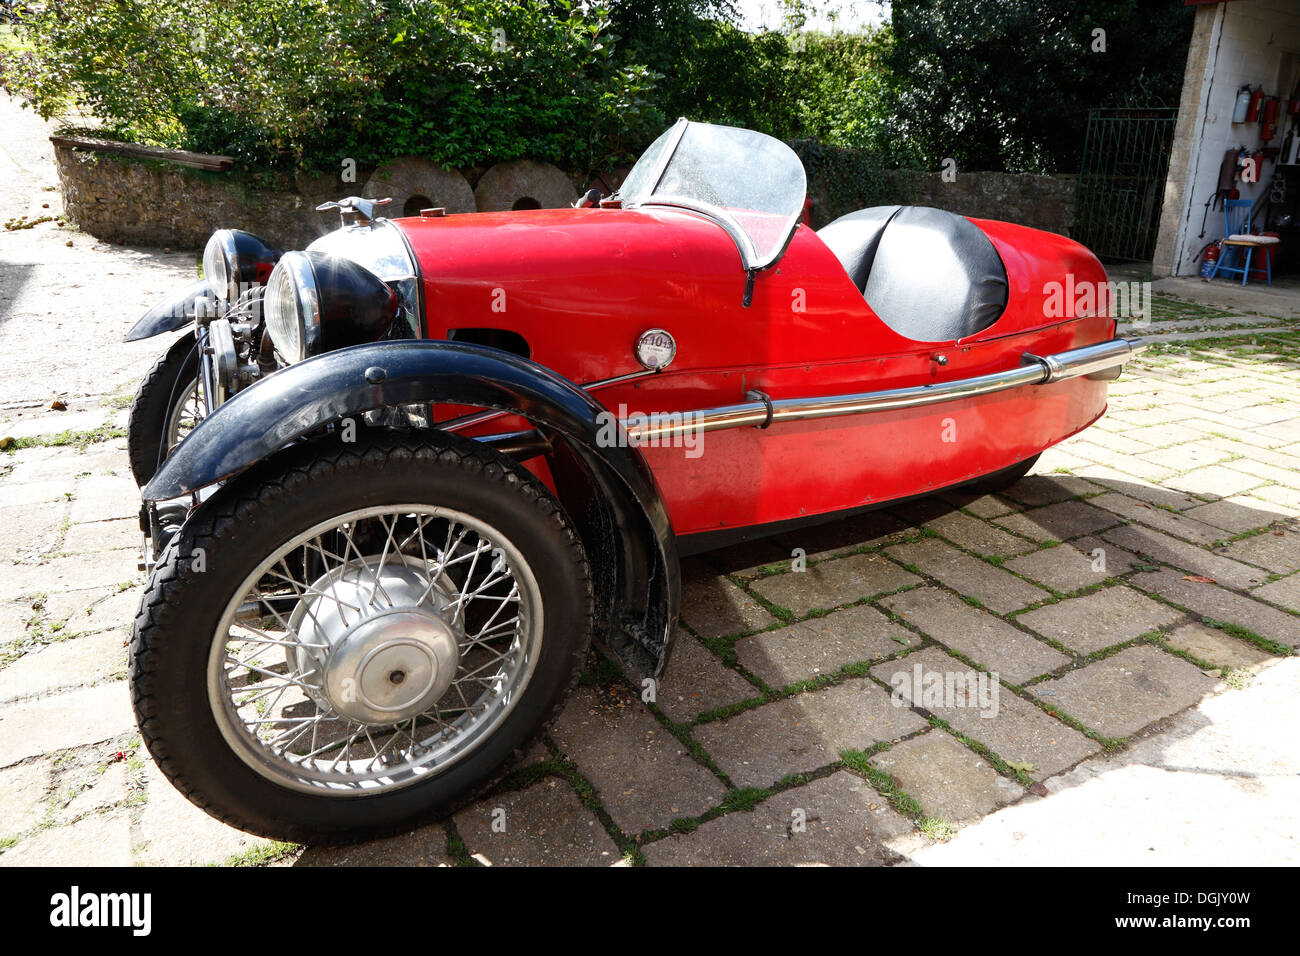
<point x="233" y="260"/>
<point x="317" y="303"/>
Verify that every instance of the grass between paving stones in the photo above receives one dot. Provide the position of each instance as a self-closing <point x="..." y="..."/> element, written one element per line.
<point x="935" y="829"/>
<point x="78" y="439"/>
<point x="1166" y="307"/>
<point x="261" y="855"/>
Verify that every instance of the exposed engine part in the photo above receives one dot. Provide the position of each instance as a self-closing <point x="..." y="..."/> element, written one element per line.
<point x="266" y="362"/>
<point x="219" y="353"/>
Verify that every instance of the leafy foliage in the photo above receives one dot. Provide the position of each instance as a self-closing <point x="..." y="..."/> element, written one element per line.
<point x="995" y="84"/>
<point x="462" y="83"/>
<point x="1006" y="84"/>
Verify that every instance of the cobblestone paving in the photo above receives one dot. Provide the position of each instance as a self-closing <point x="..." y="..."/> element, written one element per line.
<point x="1149" y="563"/>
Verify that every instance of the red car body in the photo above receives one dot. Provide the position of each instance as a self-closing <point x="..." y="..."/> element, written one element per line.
<point x="580" y="286"/>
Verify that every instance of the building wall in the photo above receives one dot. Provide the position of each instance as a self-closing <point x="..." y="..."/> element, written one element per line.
<point x="1234" y="43"/>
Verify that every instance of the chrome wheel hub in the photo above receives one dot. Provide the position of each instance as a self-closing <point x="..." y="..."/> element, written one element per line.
<point x="391" y="667"/>
<point x="380" y="641"/>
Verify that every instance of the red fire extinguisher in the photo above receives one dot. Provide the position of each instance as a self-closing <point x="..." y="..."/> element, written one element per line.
<point x="1209" y="257"/>
<point x="1268" y="126"/>
<point x="1256" y="100"/>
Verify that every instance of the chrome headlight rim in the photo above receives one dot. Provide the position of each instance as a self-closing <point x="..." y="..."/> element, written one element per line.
<point x="335" y="302"/>
<point x="296" y="270"/>
<point x="218" y="254"/>
<point x="235" y="260"/>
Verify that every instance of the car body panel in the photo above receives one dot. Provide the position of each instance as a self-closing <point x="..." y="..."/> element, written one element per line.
<point x="581" y="285"/>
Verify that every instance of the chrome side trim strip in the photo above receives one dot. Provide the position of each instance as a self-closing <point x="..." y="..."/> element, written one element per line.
<point x="1037" y="370"/>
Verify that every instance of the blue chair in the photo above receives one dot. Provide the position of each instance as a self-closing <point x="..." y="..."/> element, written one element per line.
<point x="1236" y="225"/>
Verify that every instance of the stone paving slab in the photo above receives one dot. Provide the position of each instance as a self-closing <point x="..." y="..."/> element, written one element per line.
<point x="834" y="583"/>
<point x="102" y="535"/>
<point x="81" y="717"/>
<point x="1220" y="481"/>
<point x="715" y="606"/>
<point x="803" y="733"/>
<point x="985" y="639"/>
<point x="1277" y="550"/>
<point x="1120" y="695"/>
<point x="837" y="821"/>
<point x="644" y="775"/>
<point x="822" y="645"/>
<point x="107" y="788"/>
<point x="1059" y="522"/>
<point x="544" y="825"/>
<point x="975" y="535"/>
<point x="1215" y="647"/>
<point x="996" y="589"/>
<point x="1234" y="515"/>
<point x="1037" y="490"/>
<point x="66" y="574"/>
<point x="1216" y="603"/>
<point x="426" y="846"/>
<point x="23" y="790"/>
<point x="947" y="778"/>
<point x="1074" y="565"/>
<point x="1019" y="732"/>
<point x="92" y="842"/>
<point x="1178" y="525"/>
<point x="173" y="831"/>
<point x="1285" y="592"/>
<point x="30" y="530"/>
<point x="1099" y="620"/>
<point x="696" y="681"/>
<point x="1169" y="550"/>
<point x="65" y="664"/>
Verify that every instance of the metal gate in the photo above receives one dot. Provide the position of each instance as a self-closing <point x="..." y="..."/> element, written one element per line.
<point x="1122" y="181"/>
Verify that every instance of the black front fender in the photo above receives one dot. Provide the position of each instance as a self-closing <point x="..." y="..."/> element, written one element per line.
<point x="172" y="313"/>
<point x="609" y="492"/>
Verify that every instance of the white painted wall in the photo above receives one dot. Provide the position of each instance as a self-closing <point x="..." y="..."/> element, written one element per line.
<point x="1252" y="41"/>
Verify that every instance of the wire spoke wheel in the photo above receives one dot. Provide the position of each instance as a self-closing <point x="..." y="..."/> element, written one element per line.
<point x="375" y="649"/>
<point x="187" y="411"/>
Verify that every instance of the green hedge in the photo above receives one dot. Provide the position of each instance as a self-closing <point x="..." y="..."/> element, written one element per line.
<point x="308" y="83"/>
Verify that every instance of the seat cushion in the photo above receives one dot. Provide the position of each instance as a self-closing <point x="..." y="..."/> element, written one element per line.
<point x="854" y="239"/>
<point x="930" y="275"/>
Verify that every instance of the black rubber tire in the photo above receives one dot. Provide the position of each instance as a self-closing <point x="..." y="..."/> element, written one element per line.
<point x="153" y="401"/>
<point x="259" y="511"/>
<point x="1001" y="480"/>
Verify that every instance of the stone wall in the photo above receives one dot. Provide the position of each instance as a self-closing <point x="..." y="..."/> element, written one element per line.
<point x="147" y="203"/>
<point x="150" y="203"/>
<point x="1043" y="202"/>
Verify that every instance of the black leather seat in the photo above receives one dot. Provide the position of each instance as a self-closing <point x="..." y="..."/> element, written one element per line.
<point x="930" y="275"/>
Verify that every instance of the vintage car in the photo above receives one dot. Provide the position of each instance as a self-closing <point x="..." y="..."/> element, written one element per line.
<point x="395" y="484"/>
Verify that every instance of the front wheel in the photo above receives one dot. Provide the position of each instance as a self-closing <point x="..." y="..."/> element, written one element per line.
<point x="167" y="406"/>
<point x="352" y="638"/>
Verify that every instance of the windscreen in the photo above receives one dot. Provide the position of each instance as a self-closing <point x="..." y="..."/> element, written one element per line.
<point x="753" y="184"/>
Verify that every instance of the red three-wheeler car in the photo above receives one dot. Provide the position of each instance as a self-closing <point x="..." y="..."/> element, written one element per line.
<point x="396" y="483"/>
